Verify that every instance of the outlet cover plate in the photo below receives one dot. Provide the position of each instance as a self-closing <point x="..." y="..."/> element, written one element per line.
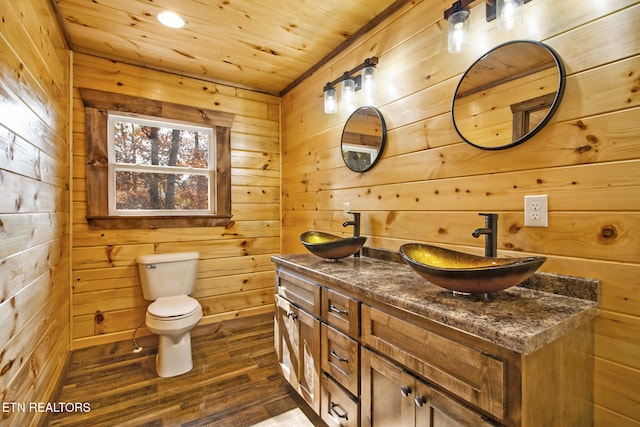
<point x="536" y="211"/>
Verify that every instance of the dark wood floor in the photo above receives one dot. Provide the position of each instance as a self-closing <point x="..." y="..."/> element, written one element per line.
<point x="235" y="382"/>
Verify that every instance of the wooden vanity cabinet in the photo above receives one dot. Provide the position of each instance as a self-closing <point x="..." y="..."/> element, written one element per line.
<point x="372" y="364"/>
<point x="297" y="336"/>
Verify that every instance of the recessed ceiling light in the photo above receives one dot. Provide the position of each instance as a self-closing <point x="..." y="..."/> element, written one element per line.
<point x="170" y="19"/>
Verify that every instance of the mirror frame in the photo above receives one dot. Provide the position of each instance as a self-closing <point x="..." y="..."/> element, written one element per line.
<point x="554" y="104"/>
<point x="383" y="141"/>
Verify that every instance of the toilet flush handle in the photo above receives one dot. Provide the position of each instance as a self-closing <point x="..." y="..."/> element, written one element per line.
<point x="151" y="265"/>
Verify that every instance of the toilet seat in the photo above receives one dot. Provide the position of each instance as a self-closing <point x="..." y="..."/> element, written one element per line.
<point x="173" y="308"/>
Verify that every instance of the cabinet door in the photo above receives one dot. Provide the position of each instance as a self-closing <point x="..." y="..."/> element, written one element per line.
<point x="393" y="397"/>
<point x="297" y="342"/>
<point x="434" y="409"/>
<point x="387" y="393"/>
<point x="286" y="339"/>
<point x="309" y="359"/>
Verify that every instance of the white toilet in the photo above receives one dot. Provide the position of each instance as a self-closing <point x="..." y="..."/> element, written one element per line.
<point x="167" y="280"/>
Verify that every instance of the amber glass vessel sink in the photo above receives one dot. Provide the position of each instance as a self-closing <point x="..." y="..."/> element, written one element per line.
<point x="328" y="246"/>
<point x="461" y="272"/>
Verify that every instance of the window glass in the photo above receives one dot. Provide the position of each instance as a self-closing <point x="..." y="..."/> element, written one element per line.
<point x="159" y="167"/>
<point x="148" y="191"/>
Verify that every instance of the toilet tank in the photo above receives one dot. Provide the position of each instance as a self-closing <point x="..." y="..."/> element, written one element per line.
<point x="167" y="275"/>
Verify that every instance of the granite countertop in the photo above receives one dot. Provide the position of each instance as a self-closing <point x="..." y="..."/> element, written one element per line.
<point x="519" y="318"/>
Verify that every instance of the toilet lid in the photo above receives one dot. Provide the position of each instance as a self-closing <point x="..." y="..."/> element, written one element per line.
<point x="173" y="306"/>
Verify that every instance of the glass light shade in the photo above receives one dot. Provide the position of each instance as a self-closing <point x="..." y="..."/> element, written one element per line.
<point x="348" y="95"/>
<point x="510" y="14"/>
<point x="330" y="101"/>
<point x="369" y="82"/>
<point x="458" y="34"/>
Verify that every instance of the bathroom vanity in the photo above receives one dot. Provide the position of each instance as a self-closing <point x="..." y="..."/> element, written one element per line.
<point x="366" y="341"/>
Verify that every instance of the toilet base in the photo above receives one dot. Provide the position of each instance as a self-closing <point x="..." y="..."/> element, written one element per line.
<point x="174" y="355"/>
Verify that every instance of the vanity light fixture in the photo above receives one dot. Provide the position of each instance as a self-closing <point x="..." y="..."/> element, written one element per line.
<point x="170" y="19"/>
<point x="350" y="84"/>
<point x="509" y="13"/>
<point x="369" y="81"/>
<point x="348" y="99"/>
<point x="458" y="18"/>
<point x="330" y="99"/>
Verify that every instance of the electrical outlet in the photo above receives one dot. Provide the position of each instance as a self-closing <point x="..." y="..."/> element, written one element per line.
<point x="536" y="211"/>
<point x="346" y="208"/>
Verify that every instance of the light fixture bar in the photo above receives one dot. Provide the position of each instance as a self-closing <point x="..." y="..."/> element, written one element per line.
<point x="352" y="83"/>
<point x="367" y="62"/>
<point x="458" y="6"/>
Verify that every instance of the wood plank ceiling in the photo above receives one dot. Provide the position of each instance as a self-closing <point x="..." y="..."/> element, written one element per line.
<point x="261" y="45"/>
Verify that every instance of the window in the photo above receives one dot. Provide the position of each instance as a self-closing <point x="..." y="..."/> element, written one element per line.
<point x="159" y="167"/>
<point x="153" y="164"/>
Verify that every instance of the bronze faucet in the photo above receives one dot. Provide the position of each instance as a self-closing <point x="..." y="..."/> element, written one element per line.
<point x="490" y="231"/>
<point x="356" y="227"/>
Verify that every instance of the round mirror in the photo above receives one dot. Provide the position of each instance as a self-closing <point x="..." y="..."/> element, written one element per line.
<point x="508" y="95"/>
<point x="363" y="139"/>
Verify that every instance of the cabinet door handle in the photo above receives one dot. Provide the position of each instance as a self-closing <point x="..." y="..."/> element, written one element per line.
<point x="292" y="315"/>
<point x="334" y="408"/>
<point x="406" y="391"/>
<point x="335" y="355"/>
<point x="420" y="401"/>
<point x="334" y="309"/>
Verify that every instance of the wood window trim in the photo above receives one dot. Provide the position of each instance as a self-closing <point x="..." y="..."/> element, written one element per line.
<point x="522" y="110"/>
<point x="97" y="105"/>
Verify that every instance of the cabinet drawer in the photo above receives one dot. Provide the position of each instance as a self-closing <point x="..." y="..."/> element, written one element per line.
<point x="340" y="358"/>
<point x="469" y="373"/>
<point x="341" y="312"/>
<point x="299" y="290"/>
<point x="338" y="408"/>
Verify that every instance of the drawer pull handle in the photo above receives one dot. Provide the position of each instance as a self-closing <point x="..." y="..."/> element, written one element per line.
<point x="334" y="409"/>
<point x="292" y="315"/>
<point x="334" y="309"/>
<point x="406" y="391"/>
<point x="420" y="401"/>
<point x="335" y="355"/>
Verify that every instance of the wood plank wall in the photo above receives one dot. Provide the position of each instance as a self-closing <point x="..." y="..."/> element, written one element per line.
<point x="34" y="208"/>
<point x="430" y="186"/>
<point x="235" y="275"/>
